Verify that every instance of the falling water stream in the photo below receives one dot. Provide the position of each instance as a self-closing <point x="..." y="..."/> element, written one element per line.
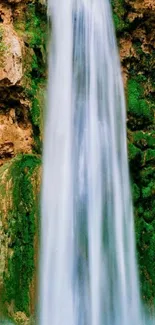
<point x="88" y="265"/>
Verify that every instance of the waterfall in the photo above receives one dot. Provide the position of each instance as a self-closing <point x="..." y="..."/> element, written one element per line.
<point x="88" y="264"/>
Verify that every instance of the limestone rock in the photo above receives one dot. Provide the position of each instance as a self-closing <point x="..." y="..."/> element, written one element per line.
<point x="14" y="137"/>
<point x="22" y="74"/>
<point x="142" y="5"/>
<point x="11" y="49"/>
<point x="11" y="71"/>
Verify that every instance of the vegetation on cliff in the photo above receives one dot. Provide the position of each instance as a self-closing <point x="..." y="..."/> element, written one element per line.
<point x="134" y="27"/>
<point x="20" y="178"/>
<point x="22" y="88"/>
<point x="23" y="35"/>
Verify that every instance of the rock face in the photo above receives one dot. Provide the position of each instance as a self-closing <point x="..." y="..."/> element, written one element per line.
<point x="11" y="49"/>
<point x="14" y="138"/>
<point x="19" y="188"/>
<point x="22" y="83"/>
<point x="11" y="69"/>
<point x="135" y="26"/>
<point x="23" y="31"/>
<point x="16" y="134"/>
<point x="22" y="76"/>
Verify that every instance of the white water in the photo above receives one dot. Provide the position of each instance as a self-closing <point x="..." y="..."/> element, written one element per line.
<point x="88" y="265"/>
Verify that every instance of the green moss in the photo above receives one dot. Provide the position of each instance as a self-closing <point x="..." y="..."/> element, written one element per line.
<point x="141" y="137"/>
<point x="146" y="243"/>
<point x="18" y="202"/>
<point x="134" y="153"/>
<point x="138" y="47"/>
<point x="138" y="106"/>
<point x="145" y="230"/>
<point x="147" y="175"/>
<point x="142" y="160"/>
<point x="144" y="140"/>
<point x="36" y="94"/>
<point x="149" y="190"/>
<point x="21" y="230"/>
<point x="36" y="25"/>
<point x="119" y="15"/>
<point x="35" y="34"/>
<point x="142" y="66"/>
<point x="118" y="22"/>
<point x="135" y="192"/>
<point x="150" y="156"/>
<point x="36" y="29"/>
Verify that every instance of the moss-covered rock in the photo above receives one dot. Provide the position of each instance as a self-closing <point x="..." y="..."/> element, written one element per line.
<point x="36" y="30"/>
<point x="19" y="188"/>
<point x="140" y="111"/>
<point x="21" y="119"/>
<point x="23" y="35"/>
<point x="21" y="106"/>
<point x="134" y="22"/>
<point x="120" y="15"/>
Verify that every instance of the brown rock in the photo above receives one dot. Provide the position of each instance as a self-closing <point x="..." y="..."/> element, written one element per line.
<point x="11" y="69"/>
<point x="14" y="138"/>
<point x="5" y="13"/>
<point x="142" y="5"/>
<point x="126" y="48"/>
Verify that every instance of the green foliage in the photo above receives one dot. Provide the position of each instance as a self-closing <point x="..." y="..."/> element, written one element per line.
<point x="144" y="140"/>
<point x="118" y="22"/>
<point x="148" y="191"/>
<point x="21" y="217"/>
<point x="139" y="107"/>
<point x="119" y="15"/>
<point x="150" y="156"/>
<point x="135" y="154"/>
<point x="142" y="162"/>
<point x="36" y="94"/>
<point x="21" y="230"/>
<point x="143" y="188"/>
<point x="145" y="234"/>
<point x="135" y="192"/>
<point x="36" y="26"/>
<point x="36" y="29"/>
<point x="138" y="47"/>
<point x="35" y="112"/>
<point x="35" y="33"/>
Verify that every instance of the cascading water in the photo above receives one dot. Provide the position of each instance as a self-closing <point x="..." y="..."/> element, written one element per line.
<point x="88" y="265"/>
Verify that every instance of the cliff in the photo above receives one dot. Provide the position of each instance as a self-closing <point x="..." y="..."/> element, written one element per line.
<point x="23" y="36"/>
<point x="23" y="32"/>
<point x="135" y="27"/>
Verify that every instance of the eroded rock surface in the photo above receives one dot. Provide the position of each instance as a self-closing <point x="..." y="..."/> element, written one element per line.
<point x="22" y="79"/>
<point x="14" y="137"/>
<point x="22" y="84"/>
<point x="16" y="134"/>
<point x="135" y="25"/>
<point x="11" y="63"/>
